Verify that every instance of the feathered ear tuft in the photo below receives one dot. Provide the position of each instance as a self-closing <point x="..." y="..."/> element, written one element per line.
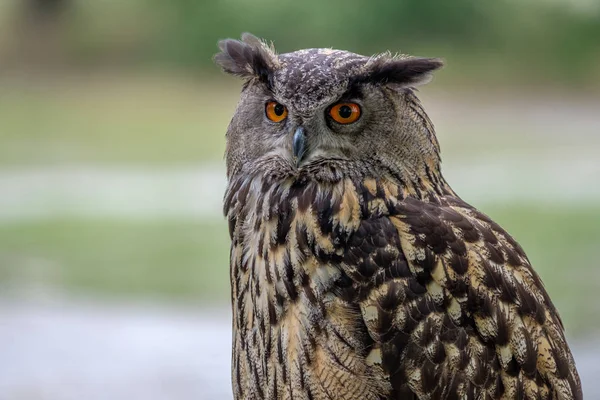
<point x="410" y="71"/>
<point x="248" y="58"/>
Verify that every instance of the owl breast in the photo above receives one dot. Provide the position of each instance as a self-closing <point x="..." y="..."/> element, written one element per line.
<point x="359" y="289"/>
<point x="296" y="334"/>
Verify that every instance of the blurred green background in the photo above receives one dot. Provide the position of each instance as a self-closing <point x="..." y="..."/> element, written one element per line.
<point x="112" y="123"/>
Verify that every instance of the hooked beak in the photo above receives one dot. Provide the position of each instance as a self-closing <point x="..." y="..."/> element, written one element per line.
<point x="299" y="144"/>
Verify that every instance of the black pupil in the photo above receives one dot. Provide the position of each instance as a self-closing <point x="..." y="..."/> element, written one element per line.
<point x="345" y="112"/>
<point x="279" y="110"/>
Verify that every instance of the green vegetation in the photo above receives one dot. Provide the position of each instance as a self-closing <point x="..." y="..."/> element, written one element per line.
<point x="114" y="119"/>
<point x="188" y="260"/>
<point x="166" y="258"/>
<point x="502" y="42"/>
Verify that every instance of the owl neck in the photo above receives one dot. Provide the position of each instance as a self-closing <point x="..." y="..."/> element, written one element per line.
<point x="272" y="190"/>
<point x="422" y="180"/>
<point x="417" y="161"/>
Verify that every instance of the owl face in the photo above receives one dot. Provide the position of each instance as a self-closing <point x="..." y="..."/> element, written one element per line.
<point x="317" y="106"/>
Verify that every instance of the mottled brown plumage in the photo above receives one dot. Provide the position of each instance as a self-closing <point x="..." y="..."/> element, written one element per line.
<point x="356" y="271"/>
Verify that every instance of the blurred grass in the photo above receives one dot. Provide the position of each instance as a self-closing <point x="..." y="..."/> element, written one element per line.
<point x="188" y="259"/>
<point x="503" y="42"/>
<point x="114" y="119"/>
<point x="175" y="259"/>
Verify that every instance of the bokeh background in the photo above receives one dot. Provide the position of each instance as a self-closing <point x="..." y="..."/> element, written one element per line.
<point x="113" y="248"/>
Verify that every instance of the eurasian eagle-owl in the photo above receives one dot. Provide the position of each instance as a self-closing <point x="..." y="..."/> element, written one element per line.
<point x="356" y="271"/>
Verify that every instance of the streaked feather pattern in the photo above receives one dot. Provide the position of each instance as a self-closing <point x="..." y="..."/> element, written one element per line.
<point x="355" y="288"/>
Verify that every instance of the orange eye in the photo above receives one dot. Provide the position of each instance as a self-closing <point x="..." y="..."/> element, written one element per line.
<point x="276" y="112"/>
<point x="345" y="113"/>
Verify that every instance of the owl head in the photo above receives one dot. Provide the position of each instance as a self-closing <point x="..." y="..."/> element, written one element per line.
<point x="327" y="113"/>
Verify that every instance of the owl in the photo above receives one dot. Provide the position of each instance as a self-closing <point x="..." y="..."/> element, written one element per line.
<point x="356" y="271"/>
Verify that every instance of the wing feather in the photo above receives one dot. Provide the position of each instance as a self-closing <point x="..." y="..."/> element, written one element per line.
<point x="451" y="301"/>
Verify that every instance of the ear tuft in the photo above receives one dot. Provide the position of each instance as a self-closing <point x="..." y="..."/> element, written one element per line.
<point x="410" y="71"/>
<point x="248" y="58"/>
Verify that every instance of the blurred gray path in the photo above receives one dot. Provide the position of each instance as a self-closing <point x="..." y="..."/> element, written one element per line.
<point x="113" y="352"/>
<point x="556" y="177"/>
<point x="83" y="350"/>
